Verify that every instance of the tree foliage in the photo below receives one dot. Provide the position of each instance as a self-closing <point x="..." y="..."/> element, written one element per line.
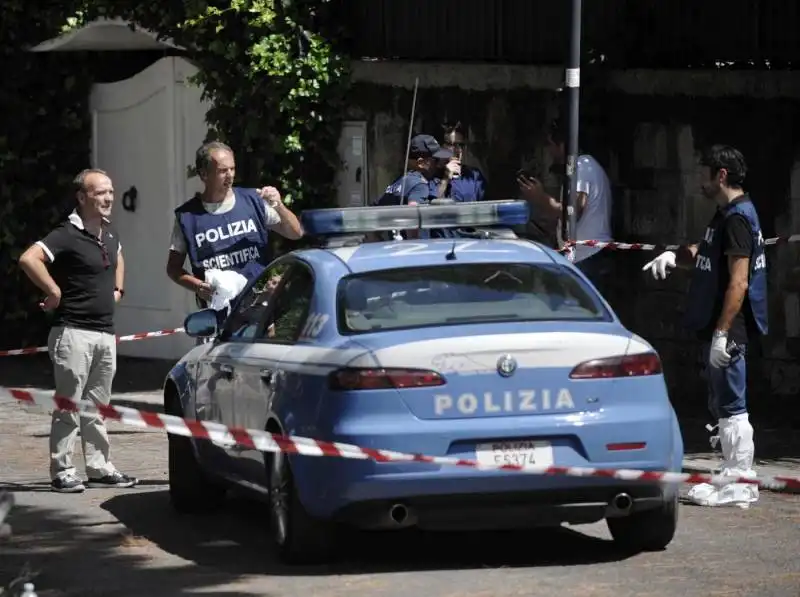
<point x="274" y="76"/>
<point x="44" y="141"/>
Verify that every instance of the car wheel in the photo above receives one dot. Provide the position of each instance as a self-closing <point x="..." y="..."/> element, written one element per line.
<point x="190" y="489"/>
<point x="651" y="530"/>
<point x="299" y="538"/>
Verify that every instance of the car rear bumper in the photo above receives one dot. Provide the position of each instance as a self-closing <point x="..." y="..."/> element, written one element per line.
<point x="329" y="487"/>
<point x="513" y="510"/>
<point x="333" y="487"/>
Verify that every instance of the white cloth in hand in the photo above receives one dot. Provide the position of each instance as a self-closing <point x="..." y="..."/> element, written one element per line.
<point x="227" y="285"/>
<point x="718" y="356"/>
<point x="658" y="266"/>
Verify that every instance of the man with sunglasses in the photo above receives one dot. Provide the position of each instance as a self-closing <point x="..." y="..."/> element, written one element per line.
<point x="460" y="182"/>
<point x="80" y="268"/>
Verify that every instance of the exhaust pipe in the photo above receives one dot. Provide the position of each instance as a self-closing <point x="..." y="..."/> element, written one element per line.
<point x="621" y="504"/>
<point x="399" y="514"/>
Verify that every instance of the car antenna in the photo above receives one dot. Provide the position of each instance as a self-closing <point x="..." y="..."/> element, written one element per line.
<point x="451" y="256"/>
<point x="408" y="144"/>
<point x="396" y="234"/>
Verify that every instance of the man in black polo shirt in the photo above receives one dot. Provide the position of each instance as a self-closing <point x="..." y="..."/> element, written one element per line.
<point x="80" y="268"/>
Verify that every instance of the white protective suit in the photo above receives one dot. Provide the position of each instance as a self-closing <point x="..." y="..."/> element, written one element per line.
<point x="738" y="453"/>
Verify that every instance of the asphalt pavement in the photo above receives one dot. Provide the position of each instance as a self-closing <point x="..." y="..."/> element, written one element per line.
<point x="129" y="543"/>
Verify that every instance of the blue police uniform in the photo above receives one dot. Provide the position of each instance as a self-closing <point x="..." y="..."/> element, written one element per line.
<point x="409" y="189"/>
<point x="413" y="188"/>
<point x="727" y="386"/>
<point x="236" y="240"/>
<point x="705" y="288"/>
<point x="470" y="186"/>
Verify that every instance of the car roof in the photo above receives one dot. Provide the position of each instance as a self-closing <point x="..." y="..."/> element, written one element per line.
<point x="377" y="256"/>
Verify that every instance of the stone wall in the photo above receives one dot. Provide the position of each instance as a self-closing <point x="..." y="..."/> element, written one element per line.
<point x="648" y="138"/>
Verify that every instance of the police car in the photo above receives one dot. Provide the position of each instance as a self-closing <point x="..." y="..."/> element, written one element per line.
<point x="484" y="347"/>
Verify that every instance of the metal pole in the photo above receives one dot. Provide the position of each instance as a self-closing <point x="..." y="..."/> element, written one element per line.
<point x="573" y="84"/>
<point x="408" y="144"/>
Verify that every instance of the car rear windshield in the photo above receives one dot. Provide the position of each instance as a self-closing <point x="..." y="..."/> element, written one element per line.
<point x="469" y="293"/>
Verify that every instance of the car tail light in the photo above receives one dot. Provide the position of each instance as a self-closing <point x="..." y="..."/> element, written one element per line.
<point x="626" y="446"/>
<point x="382" y="379"/>
<point x="635" y="365"/>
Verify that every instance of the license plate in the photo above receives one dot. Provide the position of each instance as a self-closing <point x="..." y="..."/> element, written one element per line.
<point x="519" y="453"/>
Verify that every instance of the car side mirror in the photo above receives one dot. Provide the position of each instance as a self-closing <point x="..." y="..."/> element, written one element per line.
<point x="201" y="324"/>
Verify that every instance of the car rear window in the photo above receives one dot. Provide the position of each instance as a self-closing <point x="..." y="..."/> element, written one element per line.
<point x="469" y="293"/>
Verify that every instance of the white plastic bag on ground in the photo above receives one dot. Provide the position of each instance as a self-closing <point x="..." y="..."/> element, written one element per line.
<point x="732" y="494"/>
<point x="227" y="285"/>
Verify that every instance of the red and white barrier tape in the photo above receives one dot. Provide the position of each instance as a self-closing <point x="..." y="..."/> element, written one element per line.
<point x="270" y="442"/>
<point x="129" y="338"/>
<point x="615" y="246"/>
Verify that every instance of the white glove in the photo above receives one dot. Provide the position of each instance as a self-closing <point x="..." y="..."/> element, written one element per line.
<point x="719" y="357"/>
<point x="658" y="266"/>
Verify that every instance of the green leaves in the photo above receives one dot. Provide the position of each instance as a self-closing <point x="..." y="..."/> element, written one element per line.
<point x="44" y="142"/>
<point x="276" y="90"/>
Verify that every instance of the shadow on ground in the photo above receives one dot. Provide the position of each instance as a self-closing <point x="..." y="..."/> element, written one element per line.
<point x="128" y="558"/>
<point x="89" y="558"/>
<point x="44" y="486"/>
<point x="236" y="540"/>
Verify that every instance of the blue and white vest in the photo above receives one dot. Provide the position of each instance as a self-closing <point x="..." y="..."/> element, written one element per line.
<point x="704" y="290"/>
<point x="236" y="240"/>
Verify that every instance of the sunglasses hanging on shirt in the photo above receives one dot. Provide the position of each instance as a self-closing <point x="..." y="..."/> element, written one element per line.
<point x="106" y="258"/>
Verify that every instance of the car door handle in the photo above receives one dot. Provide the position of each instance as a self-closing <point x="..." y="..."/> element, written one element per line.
<point x="267" y="375"/>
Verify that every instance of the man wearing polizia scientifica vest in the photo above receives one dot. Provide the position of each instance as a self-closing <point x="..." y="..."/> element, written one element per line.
<point x="727" y="307"/>
<point x="225" y="227"/>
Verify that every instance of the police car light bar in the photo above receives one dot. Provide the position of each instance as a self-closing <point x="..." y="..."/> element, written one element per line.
<point x="351" y="220"/>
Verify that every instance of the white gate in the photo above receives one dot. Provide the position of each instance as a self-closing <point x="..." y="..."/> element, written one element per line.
<point x="145" y="131"/>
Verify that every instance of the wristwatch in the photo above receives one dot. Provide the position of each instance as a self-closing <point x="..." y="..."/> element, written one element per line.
<point x="120" y="290"/>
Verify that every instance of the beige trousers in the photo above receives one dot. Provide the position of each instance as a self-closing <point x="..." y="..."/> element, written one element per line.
<point x="84" y="364"/>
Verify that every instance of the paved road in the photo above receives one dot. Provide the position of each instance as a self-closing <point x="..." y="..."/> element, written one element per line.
<point x="127" y="542"/>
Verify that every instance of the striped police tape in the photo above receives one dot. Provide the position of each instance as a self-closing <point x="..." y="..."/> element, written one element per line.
<point x="129" y="338"/>
<point x="616" y="246"/>
<point x="271" y="442"/>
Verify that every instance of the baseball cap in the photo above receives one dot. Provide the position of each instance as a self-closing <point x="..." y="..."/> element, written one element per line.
<point x="428" y="146"/>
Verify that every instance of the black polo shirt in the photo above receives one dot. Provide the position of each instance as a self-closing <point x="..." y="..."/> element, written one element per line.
<point x="84" y="267"/>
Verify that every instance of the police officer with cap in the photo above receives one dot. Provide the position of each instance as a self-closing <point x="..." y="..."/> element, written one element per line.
<point x="426" y="161"/>
<point x="727" y="307"/>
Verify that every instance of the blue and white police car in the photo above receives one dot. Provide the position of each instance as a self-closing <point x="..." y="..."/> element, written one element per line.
<point x="482" y="347"/>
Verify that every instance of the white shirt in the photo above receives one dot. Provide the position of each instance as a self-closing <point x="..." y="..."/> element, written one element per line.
<point x="595" y="221"/>
<point x="178" y="241"/>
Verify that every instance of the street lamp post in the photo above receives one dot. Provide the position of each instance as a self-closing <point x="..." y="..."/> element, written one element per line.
<point x="573" y="84"/>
